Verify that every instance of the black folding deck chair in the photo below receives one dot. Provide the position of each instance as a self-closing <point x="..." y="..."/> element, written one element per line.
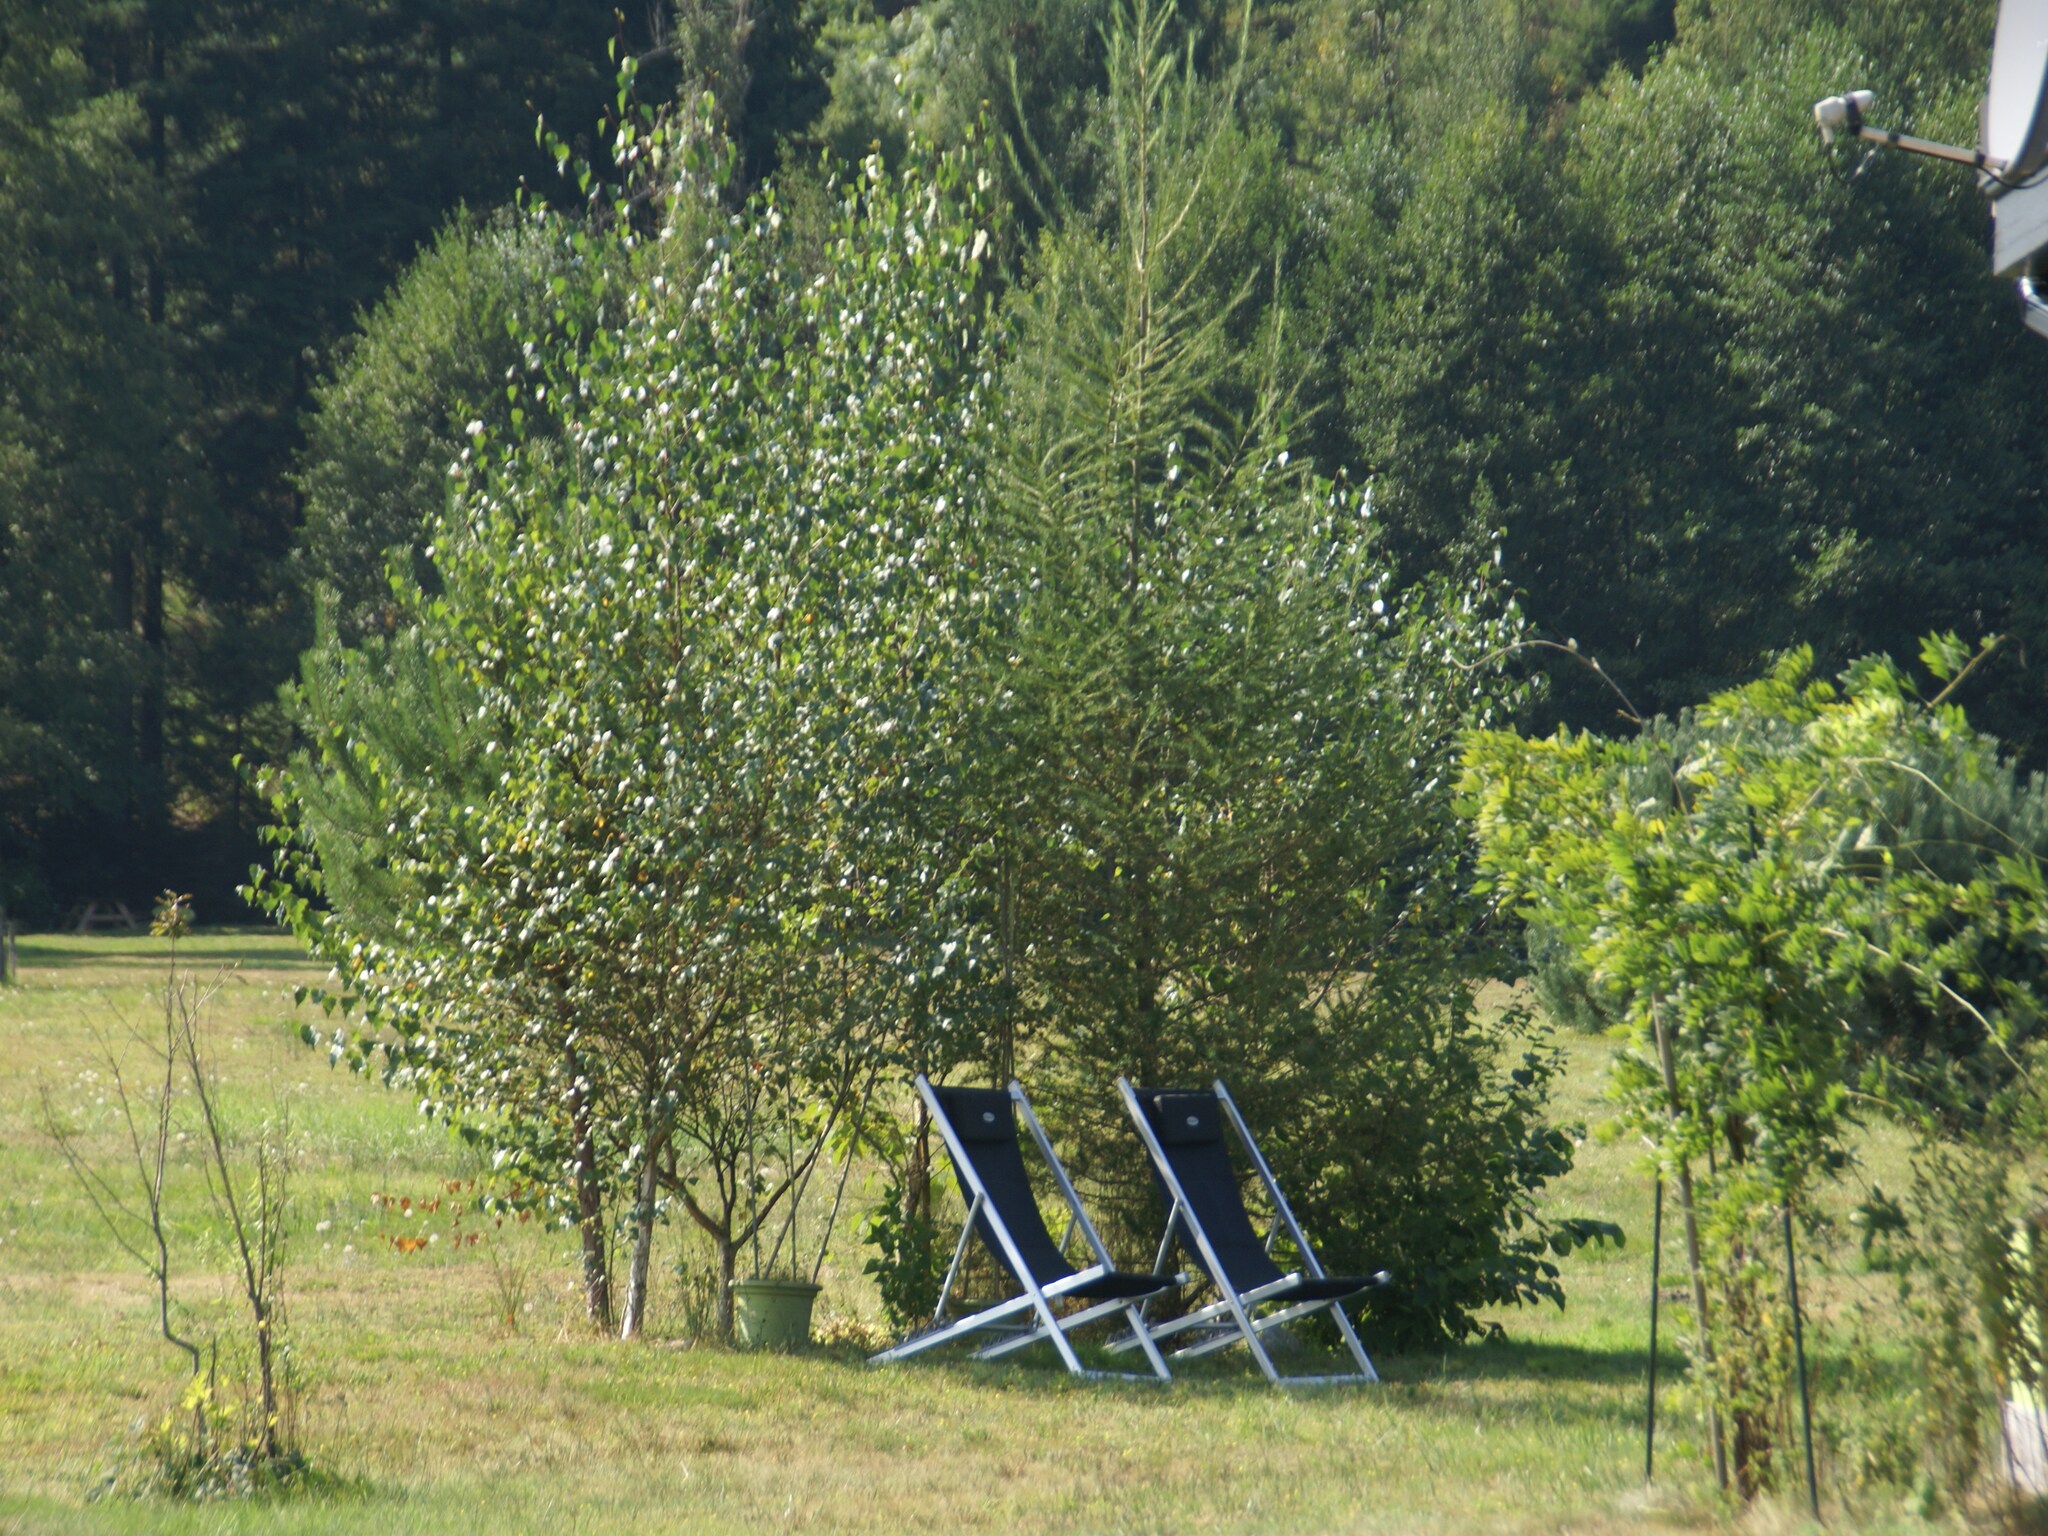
<point x="980" y="1130"/>
<point x="1183" y="1132"/>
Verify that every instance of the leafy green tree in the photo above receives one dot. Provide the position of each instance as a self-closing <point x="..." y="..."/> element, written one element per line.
<point x="1734" y="893"/>
<point x="434" y="355"/>
<point x="393" y="738"/>
<point x="706" y="619"/>
<point x="1214" y="827"/>
<point x="1708" y="377"/>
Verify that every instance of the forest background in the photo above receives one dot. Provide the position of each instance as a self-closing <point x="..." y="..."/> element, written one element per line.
<point x="1572" y="279"/>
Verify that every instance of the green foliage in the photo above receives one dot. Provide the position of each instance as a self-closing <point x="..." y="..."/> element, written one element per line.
<point x="1737" y="888"/>
<point x="937" y="67"/>
<point x="699" y="626"/>
<point x="909" y="1262"/>
<point x="1718" y="874"/>
<point x="198" y="198"/>
<point x="1948" y="811"/>
<point x="209" y="1448"/>
<point x="1571" y="270"/>
<point x="386" y="427"/>
<point x="1704" y="373"/>
<point x="1972" y="1259"/>
<point x="1558" y="982"/>
<point x="1211" y="784"/>
<point x="375" y="716"/>
<point x="887" y="79"/>
<point x="1583" y="39"/>
<point x="1414" y="1136"/>
<point x="92" y="457"/>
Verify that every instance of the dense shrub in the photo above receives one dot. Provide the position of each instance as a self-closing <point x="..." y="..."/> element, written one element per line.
<point x="1210" y="781"/>
<point x="1763" y="891"/>
<point x="696" y="608"/>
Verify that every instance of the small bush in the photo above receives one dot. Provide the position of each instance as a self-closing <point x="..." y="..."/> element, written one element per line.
<point x="209" y="1447"/>
<point x="909" y="1264"/>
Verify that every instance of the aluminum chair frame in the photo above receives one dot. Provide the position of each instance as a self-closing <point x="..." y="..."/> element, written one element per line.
<point x="1233" y="1316"/>
<point x="1028" y="1318"/>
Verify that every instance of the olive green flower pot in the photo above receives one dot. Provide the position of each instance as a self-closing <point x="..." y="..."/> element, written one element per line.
<point x="772" y="1314"/>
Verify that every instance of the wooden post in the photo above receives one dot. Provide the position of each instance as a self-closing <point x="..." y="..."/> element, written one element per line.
<point x="1692" y="1246"/>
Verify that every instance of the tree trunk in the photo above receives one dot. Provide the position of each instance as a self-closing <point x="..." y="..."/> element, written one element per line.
<point x="149" y="728"/>
<point x="643" y="1249"/>
<point x="266" y="1377"/>
<point x="728" y="1267"/>
<point x="1753" y="1453"/>
<point x="917" y="1178"/>
<point x="1754" y="1448"/>
<point x="597" y="1283"/>
<point x="719" y="1230"/>
<point x="121" y="583"/>
<point x="149" y="725"/>
<point x="1006" y="921"/>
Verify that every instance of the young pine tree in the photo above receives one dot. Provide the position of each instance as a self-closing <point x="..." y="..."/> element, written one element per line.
<point x="1213" y="772"/>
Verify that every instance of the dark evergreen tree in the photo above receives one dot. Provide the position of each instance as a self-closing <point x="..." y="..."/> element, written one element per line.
<point x="202" y="194"/>
<point x="1212" y="772"/>
<point x="95" y="460"/>
<point x="434" y="355"/>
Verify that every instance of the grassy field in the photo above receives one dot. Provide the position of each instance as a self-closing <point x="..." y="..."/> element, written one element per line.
<point x="433" y="1415"/>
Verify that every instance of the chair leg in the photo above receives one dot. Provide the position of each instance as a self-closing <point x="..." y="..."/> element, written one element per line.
<point x="1073" y="1320"/>
<point x="1350" y="1333"/>
<point x="1145" y="1342"/>
<point x="1058" y="1336"/>
<point x="1261" y="1325"/>
<point x="1251" y="1339"/>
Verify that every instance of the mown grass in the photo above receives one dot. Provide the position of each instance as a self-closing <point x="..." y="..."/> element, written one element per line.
<point x="427" y="1413"/>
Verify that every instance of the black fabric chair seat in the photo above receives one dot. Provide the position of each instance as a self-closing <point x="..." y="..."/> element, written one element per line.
<point x="1190" y="1131"/>
<point x="1211" y="1225"/>
<point x="1118" y="1286"/>
<point x="980" y="1127"/>
<point x="1326" y="1288"/>
<point x="986" y="1122"/>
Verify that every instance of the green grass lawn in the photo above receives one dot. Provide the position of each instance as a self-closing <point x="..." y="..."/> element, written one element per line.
<point x="432" y="1415"/>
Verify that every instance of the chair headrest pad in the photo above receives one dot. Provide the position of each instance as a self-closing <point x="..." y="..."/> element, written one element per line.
<point x="1183" y="1119"/>
<point x="979" y="1114"/>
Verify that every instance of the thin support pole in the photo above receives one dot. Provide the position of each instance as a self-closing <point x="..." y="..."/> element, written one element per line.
<point x="1799" y="1356"/>
<point x="1692" y="1249"/>
<point x="959" y="1253"/>
<point x="1656" y="1273"/>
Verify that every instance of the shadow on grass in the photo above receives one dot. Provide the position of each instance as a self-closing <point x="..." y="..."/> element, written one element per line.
<point x="1232" y="1373"/>
<point x="1533" y="1360"/>
<point x="1233" y="1369"/>
<point x="64" y="953"/>
<point x="1039" y="1370"/>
